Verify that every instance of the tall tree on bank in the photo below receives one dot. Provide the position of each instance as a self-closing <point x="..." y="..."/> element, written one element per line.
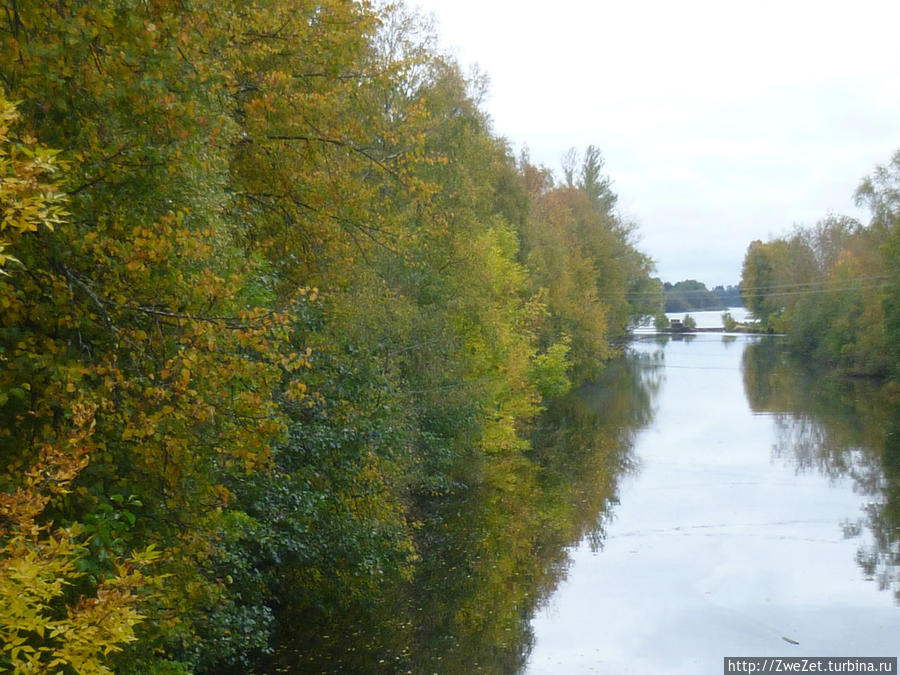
<point x="582" y="255"/>
<point x="594" y="183"/>
<point x="880" y="192"/>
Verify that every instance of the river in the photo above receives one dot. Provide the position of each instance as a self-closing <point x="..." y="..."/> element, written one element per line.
<point x="760" y="518"/>
<point x="706" y="497"/>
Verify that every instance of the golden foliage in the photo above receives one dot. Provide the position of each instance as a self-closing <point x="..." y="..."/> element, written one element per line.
<point x="39" y="630"/>
<point x="29" y="198"/>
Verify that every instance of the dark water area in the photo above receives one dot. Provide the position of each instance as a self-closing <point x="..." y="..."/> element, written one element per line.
<point x="706" y="498"/>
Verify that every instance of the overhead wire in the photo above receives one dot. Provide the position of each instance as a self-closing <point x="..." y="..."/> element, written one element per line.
<point x="789" y="289"/>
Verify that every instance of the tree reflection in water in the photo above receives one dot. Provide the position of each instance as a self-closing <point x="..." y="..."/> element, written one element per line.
<point x="842" y="428"/>
<point x="490" y="552"/>
<point x="500" y="548"/>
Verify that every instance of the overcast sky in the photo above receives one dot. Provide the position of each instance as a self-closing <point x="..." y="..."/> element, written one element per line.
<point x="720" y="121"/>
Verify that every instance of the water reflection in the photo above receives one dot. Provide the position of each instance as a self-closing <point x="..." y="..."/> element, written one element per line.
<point x="492" y="555"/>
<point x="717" y="548"/>
<point x="840" y="428"/>
<point x="505" y="548"/>
<point x="584" y="444"/>
<point x="492" y="551"/>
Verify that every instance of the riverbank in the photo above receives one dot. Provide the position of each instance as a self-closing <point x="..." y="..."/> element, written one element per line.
<point x="740" y="329"/>
<point x="739" y="322"/>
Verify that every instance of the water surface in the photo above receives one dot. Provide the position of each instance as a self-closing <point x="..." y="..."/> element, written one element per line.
<point x="763" y="510"/>
<point x="706" y="497"/>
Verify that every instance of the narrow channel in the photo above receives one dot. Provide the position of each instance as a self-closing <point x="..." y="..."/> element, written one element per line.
<point x="760" y="519"/>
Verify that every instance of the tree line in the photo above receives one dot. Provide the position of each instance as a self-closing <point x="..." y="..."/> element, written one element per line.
<point x="272" y="293"/>
<point x="833" y="288"/>
<point x="693" y="295"/>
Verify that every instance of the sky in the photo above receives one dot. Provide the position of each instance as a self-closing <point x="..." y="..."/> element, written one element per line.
<point x="720" y="122"/>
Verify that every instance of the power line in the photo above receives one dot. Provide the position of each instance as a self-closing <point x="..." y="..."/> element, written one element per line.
<point x="814" y="291"/>
<point x="797" y="288"/>
<point x="800" y="284"/>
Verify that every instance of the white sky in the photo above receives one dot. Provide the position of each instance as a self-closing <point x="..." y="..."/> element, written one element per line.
<point x="720" y="121"/>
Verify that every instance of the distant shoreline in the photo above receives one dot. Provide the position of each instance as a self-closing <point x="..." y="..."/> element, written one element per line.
<point x="743" y="330"/>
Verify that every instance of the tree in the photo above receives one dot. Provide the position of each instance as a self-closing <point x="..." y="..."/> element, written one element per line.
<point x="569" y="166"/>
<point x="828" y="286"/>
<point x="30" y="199"/>
<point x="690" y="295"/>
<point x="594" y="184"/>
<point x="138" y="305"/>
<point x="758" y="281"/>
<point x="296" y="294"/>
<point x="594" y="280"/>
<point x="881" y="193"/>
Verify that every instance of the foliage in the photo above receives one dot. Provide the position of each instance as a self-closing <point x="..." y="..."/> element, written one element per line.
<point x="729" y="296"/>
<point x="661" y="321"/>
<point x="548" y="370"/>
<point x="29" y="197"/>
<point x="729" y="322"/>
<point x="41" y="628"/>
<point x="280" y="294"/>
<point x="593" y="183"/>
<point x="584" y="265"/>
<point x="831" y="287"/>
<point x="690" y="295"/>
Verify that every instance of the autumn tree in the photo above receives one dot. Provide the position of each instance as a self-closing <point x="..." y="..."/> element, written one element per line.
<point x="828" y="286"/>
<point x="582" y="254"/>
<point x="138" y="305"/>
<point x="288" y="292"/>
